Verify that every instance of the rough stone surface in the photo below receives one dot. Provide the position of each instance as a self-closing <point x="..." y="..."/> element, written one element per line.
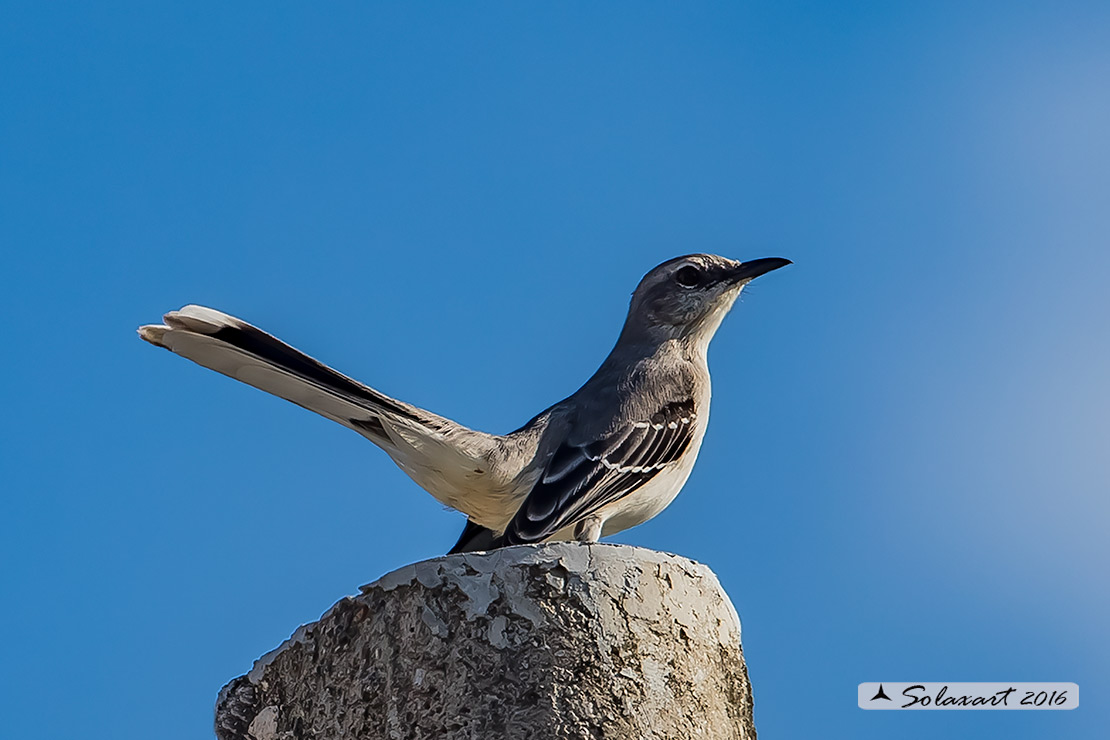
<point x="582" y="642"/>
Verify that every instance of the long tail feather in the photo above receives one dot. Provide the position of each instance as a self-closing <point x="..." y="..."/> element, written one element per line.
<point x="447" y="459"/>
<point x="239" y="350"/>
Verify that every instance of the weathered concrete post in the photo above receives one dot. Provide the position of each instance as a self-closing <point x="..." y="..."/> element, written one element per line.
<point x="551" y="641"/>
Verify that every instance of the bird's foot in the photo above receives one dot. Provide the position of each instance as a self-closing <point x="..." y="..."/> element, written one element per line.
<point x="588" y="530"/>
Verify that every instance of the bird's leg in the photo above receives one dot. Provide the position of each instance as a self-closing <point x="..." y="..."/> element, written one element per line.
<point x="589" y="529"/>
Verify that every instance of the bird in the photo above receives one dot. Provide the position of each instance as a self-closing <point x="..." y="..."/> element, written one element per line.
<point x="609" y="457"/>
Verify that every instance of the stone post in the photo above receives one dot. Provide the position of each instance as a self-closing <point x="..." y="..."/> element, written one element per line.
<point x="565" y="640"/>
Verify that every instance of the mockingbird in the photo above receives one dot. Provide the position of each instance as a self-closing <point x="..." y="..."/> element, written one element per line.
<point x="609" y="457"/>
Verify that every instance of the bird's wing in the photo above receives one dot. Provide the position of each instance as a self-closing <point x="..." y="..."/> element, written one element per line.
<point x="579" y="479"/>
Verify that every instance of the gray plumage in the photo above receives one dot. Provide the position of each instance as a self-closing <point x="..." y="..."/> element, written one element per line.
<point x="609" y="457"/>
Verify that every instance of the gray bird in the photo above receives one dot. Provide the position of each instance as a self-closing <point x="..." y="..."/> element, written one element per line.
<point x="609" y="457"/>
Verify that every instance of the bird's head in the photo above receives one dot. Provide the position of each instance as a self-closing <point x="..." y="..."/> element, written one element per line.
<point x="688" y="297"/>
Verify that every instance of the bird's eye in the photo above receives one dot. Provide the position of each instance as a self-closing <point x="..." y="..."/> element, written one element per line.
<point x="688" y="276"/>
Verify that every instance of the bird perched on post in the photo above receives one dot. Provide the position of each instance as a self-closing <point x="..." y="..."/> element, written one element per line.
<point x="609" y="457"/>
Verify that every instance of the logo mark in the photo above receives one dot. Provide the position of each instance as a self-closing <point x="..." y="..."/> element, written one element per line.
<point x="880" y="694"/>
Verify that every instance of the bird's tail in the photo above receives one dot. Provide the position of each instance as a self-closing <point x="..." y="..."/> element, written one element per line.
<point x="417" y="440"/>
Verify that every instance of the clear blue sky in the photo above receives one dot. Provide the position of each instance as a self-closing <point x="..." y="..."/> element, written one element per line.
<point x="906" y="476"/>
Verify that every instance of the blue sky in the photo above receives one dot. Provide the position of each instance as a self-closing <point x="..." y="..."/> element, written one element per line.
<point x="906" y="473"/>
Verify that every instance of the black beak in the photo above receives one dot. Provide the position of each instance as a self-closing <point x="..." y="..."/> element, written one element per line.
<point x="746" y="271"/>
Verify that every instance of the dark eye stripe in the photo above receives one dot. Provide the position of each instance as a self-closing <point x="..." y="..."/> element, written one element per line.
<point x="688" y="276"/>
